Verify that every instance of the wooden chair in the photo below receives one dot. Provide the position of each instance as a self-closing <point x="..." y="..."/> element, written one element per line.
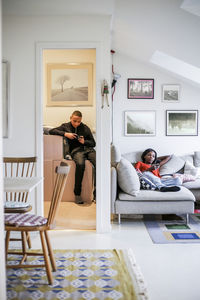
<point x="30" y="222"/>
<point x="18" y="167"/>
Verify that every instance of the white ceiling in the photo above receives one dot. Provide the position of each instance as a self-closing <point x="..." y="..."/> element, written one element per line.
<point x="58" y="7"/>
<point x="139" y="27"/>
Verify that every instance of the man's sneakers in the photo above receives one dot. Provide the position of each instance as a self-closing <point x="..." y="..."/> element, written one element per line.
<point x="78" y="200"/>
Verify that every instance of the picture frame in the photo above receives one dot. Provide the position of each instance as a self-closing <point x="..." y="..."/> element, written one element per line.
<point x="140" y="123"/>
<point x="182" y="122"/>
<point x="69" y="84"/>
<point x="171" y="93"/>
<point x="140" y="88"/>
<point x="5" y="99"/>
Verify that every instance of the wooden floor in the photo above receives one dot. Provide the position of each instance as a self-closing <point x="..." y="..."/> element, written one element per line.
<point x="74" y="216"/>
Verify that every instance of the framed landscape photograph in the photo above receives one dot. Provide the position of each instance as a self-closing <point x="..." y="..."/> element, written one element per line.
<point x="181" y="122"/>
<point x="69" y="84"/>
<point x="140" y="123"/>
<point x="140" y="88"/>
<point x="171" y="93"/>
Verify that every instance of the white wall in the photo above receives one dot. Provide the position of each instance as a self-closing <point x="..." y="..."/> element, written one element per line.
<point x="20" y="35"/>
<point x="189" y="100"/>
<point x="2" y="239"/>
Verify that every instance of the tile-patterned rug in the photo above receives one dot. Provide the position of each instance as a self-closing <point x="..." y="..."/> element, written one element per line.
<point x="81" y="274"/>
<point x="169" y="231"/>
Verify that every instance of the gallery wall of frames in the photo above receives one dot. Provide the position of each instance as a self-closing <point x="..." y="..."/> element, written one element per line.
<point x="143" y="122"/>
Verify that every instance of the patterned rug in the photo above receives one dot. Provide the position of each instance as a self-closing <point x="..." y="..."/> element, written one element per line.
<point x="81" y="274"/>
<point x="173" y="230"/>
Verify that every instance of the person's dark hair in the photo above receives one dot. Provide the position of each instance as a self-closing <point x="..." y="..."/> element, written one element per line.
<point x="77" y="113"/>
<point x="146" y="152"/>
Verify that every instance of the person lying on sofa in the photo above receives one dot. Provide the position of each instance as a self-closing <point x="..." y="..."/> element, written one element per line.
<point x="81" y="143"/>
<point x="150" y="165"/>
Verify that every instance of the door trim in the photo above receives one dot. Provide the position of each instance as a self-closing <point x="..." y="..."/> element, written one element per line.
<point x="40" y="46"/>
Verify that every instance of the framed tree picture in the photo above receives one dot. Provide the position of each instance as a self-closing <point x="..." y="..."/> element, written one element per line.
<point x="171" y="93"/>
<point x="140" y="123"/>
<point x="69" y="84"/>
<point x="181" y="122"/>
<point x="140" y="88"/>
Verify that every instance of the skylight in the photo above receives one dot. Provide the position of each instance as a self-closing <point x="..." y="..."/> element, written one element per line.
<point x="176" y="66"/>
<point x="191" y="6"/>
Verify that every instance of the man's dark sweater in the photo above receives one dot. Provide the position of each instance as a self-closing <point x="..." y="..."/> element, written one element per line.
<point x="81" y="130"/>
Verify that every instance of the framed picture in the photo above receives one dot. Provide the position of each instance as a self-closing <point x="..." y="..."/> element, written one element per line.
<point x="140" y="123"/>
<point x="70" y="84"/>
<point x="139" y="88"/>
<point x="182" y="122"/>
<point x="5" y="99"/>
<point x="171" y="93"/>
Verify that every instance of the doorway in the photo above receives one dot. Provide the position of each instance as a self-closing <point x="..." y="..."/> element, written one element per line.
<point x="63" y="71"/>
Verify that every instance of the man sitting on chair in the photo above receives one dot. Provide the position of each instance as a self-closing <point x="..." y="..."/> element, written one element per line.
<point x="81" y="143"/>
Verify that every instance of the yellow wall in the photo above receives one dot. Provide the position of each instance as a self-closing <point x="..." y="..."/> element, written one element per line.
<point x="54" y="116"/>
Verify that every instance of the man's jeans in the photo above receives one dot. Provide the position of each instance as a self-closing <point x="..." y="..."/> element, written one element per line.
<point x="159" y="182"/>
<point x="79" y="158"/>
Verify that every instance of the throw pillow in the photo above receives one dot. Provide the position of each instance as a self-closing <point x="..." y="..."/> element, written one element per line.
<point x="127" y="177"/>
<point x="189" y="169"/>
<point x="172" y="166"/>
<point x="146" y="183"/>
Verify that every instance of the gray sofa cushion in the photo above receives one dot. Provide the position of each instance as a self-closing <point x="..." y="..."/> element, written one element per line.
<point x="127" y="177"/>
<point x="148" y="195"/>
<point x="172" y="166"/>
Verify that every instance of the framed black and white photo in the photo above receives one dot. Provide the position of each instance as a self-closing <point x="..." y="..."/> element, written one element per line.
<point x="182" y="122"/>
<point x="140" y="123"/>
<point x="69" y="84"/>
<point x="140" y="88"/>
<point x="171" y="93"/>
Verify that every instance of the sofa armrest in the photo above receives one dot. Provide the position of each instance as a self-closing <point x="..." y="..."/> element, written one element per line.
<point x="113" y="188"/>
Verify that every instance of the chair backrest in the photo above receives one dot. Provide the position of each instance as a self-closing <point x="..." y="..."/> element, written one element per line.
<point x="18" y="167"/>
<point x="62" y="172"/>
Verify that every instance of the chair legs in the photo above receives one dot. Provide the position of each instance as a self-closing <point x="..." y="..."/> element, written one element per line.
<point x="47" y="252"/>
<point x="28" y="238"/>
<point x="46" y="258"/>
<point x="50" y="251"/>
<point x="7" y="243"/>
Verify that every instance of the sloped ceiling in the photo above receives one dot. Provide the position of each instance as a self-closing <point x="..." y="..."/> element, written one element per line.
<point x="143" y="27"/>
<point x="192" y="6"/>
<point x="139" y="27"/>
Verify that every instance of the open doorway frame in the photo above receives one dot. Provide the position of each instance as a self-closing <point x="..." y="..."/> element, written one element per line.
<point x="103" y="205"/>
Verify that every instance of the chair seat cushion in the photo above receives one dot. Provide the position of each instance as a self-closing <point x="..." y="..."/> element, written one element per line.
<point x="24" y="220"/>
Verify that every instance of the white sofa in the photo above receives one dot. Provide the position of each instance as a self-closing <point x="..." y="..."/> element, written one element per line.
<point x="128" y="198"/>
